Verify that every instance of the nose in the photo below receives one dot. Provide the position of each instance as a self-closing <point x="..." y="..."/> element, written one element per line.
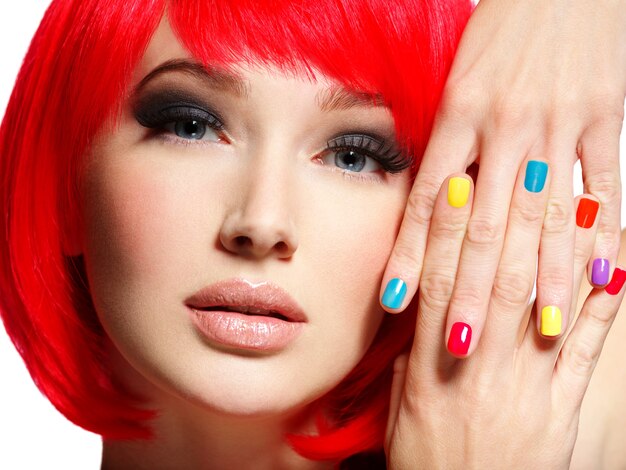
<point x="260" y="223"/>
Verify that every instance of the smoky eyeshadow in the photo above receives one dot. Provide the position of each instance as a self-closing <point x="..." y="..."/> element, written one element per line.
<point x="154" y="108"/>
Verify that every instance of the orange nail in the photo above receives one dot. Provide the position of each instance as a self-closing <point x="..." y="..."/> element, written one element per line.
<point x="586" y="213"/>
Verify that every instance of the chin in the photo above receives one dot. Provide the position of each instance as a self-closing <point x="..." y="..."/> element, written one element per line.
<point x="227" y="384"/>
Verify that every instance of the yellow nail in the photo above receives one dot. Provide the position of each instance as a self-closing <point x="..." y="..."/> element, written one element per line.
<point x="458" y="191"/>
<point x="550" y="321"/>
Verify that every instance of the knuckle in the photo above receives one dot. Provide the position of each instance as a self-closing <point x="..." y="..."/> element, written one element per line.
<point x="467" y="296"/>
<point x="436" y="290"/>
<point x="582" y="252"/>
<point x="448" y="229"/>
<point x="527" y="214"/>
<point x="484" y="233"/>
<point x="601" y="319"/>
<point x="421" y="201"/>
<point x="407" y="256"/>
<point x="609" y="237"/>
<point x="512" y="287"/>
<point x="607" y="104"/>
<point x="557" y="280"/>
<point x="559" y="217"/>
<point x="460" y="101"/>
<point x="606" y="186"/>
<point x="510" y="111"/>
<point x="581" y="358"/>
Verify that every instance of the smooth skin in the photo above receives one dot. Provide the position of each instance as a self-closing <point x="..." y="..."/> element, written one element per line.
<point x="516" y="402"/>
<point x="538" y="80"/>
<point x="263" y="198"/>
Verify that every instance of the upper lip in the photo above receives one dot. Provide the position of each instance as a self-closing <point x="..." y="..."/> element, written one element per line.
<point x="263" y="298"/>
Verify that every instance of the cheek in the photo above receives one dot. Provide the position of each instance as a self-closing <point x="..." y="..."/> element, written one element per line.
<point x="135" y="257"/>
<point x="350" y="242"/>
<point x="357" y="226"/>
<point x="138" y="220"/>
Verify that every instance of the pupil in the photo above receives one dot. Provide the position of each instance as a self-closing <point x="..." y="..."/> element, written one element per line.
<point x="190" y="129"/>
<point x="349" y="159"/>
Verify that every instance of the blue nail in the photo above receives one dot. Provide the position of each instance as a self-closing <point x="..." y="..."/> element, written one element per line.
<point x="536" y="173"/>
<point x="394" y="293"/>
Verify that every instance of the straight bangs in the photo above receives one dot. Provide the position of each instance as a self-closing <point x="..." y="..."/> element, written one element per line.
<point x="400" y="50"/>
<point x="74" y="80"/>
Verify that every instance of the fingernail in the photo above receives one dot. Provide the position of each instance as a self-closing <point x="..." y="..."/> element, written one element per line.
<point x="394" y="293"/>
<point x="458" y="191"/>
<point x="536" y="173"/>
<point x="551" y="321"/>
<point x="586" y="212"/>
<point x="600" y="271"/>
<point x="460" y="338"/>
<point x="617" y="281"/>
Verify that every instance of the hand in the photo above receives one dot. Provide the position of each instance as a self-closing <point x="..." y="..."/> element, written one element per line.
<point x="515" y="403"/>
<point x="539" y="80"/>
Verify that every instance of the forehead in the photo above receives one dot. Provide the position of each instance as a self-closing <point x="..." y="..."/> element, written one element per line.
<point x="165" y="53"/>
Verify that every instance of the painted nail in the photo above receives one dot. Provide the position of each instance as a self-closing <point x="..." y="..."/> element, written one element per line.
<point x="617" y="281"/>
<point x="600" y="271"/>
<point x="394" y="293"/>
<point x="535" y="178"/>
<point x="460" y="338"/>
<point x="586" y="212"/>
<point x="551" y="321"/>
<point x="458" y="191"/>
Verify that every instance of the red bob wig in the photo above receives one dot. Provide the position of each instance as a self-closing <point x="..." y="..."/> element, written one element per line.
<point x="73" y="80"/>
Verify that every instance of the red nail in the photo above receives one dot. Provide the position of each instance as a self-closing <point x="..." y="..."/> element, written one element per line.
<point x="586" y="213"/>
<point x="460" y="337"/>
<point x="617" y="281"/>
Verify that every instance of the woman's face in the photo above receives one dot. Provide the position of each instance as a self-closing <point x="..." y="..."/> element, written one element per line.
<point x="253" y="178"/>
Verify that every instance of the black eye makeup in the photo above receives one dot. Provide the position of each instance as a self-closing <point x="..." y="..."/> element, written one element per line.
<point x="186" y="119"/>
<point x="352" y="150"/>
<point x="178" y="113"/>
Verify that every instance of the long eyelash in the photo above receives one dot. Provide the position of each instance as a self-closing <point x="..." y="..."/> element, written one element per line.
<point x="155" y="118"/>
<point x="390" y="158"/>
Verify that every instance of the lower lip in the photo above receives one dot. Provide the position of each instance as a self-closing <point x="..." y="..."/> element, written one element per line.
<point x="241" y="331"/>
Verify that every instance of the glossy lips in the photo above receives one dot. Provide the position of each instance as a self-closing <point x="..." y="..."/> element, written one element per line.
<point x="239" y="314"/>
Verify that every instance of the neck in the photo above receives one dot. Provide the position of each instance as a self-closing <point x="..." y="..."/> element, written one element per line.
<point x="189" y="436"/>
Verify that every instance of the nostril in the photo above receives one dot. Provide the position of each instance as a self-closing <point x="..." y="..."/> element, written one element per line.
<point x="281" y="247"/>
<point x="248" y="245"/>
<point x="243" y="241"/>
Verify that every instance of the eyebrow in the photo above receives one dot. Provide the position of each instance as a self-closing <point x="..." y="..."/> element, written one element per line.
<point x="339" y="98"/>
<point x="333" y="98"/>
<point x="213" y="77"/>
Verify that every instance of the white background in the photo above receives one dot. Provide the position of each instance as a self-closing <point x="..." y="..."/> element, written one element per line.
<point x="32" y="433"/>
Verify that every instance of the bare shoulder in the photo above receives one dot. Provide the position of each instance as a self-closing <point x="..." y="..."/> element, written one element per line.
<point x="601" y="440"/>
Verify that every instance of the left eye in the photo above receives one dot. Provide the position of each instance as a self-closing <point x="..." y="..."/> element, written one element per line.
<point x="350" y="159"/>
<point x="192" y="130"/>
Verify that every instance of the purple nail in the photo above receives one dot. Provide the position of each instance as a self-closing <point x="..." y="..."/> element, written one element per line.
<point x="600" y="272"/>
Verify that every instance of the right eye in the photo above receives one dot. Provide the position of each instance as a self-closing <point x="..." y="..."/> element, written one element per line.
<point x="193" y="130"/>
<point x="183" y="120"/>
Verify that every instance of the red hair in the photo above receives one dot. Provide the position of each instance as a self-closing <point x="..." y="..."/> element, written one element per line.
<point x="74" y="78"/>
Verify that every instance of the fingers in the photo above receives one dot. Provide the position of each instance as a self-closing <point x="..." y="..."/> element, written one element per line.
<point x="599" y="149"/>
<point x="556" y="253"/>
<point x="543" y="349"/>
<point x="397" y="388"/>
<point x="583" y="345"/>
<point x="588" y="210"/>
<point x="515" y="276"/>
<point x="481" y="250"/>
<point x="448" y="152"/>
<point x="449" y="223"/>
